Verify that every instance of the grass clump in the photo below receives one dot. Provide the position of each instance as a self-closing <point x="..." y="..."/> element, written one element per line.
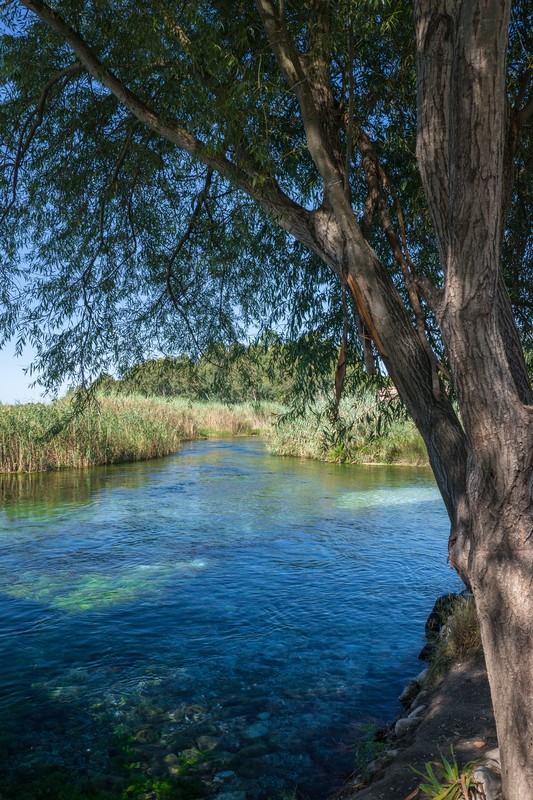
<point x="368" y="748"/>
<point x="445" y="780"/>
<point x="116" y="429"/>
<point x="365" y="432"/>
<point x="460" y="638"/>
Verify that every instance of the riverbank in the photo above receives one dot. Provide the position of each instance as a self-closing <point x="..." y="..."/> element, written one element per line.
<point x="448" y="715"/>
<point x="117" y="429"/>
<point x="123" y="428"/>
<point x="457" y="711"/>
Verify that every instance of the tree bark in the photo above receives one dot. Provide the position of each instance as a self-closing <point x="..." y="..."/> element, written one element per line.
<point x="463" y="134"/>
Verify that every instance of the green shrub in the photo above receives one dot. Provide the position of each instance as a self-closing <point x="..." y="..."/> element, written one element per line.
<point x="367" y="749"/>
<point x="445" y="780"/>
<point x="365" y="431"/>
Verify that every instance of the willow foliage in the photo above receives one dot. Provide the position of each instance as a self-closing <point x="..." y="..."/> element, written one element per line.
<point x="117" y="245"/>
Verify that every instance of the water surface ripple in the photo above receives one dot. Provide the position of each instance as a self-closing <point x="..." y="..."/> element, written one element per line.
<point x="231" y="616"/>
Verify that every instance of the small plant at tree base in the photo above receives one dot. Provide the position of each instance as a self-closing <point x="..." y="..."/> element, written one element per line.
<point x="368" y="748"/>
<point x="460" y="638"/>
<point x="444" y="780"/>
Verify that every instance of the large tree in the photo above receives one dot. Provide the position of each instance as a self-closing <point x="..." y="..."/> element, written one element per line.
<point x="176" y="172"/>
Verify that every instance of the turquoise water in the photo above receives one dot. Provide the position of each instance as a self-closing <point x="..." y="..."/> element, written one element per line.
<point x="221" y="619"/>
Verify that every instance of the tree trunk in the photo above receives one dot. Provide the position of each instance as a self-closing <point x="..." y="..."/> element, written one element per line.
<point x="463" y="135"/>
<point x="501" y="577"/>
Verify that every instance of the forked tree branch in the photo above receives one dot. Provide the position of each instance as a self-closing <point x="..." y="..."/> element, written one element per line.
<point x="291" y="65"/>
<point x="260" y="187"/>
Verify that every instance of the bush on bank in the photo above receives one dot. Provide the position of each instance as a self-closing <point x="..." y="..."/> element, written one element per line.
<point x="366" y="431"/>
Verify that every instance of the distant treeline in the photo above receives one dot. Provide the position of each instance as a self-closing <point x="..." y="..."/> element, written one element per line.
<point x="295" y="373"/>
<point x="239" y="374"/>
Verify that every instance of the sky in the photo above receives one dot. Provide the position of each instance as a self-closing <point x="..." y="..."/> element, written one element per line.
<point x="14" y="384"/>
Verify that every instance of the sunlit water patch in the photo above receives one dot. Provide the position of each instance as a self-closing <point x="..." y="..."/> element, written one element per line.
<point x="214" y="623"/>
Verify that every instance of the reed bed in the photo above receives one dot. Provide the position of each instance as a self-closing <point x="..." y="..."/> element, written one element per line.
<point x="116" y="429"/>
<point x="366" y="432"/>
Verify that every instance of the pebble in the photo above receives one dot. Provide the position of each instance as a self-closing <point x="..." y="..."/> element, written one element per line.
<point x="256" y="730"/>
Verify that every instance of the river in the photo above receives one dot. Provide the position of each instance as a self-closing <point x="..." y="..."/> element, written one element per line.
<point x="219" y="622"/>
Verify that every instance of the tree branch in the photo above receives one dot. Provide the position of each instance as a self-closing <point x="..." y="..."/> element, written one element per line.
<point x="375" y="177"/>
<point x="263" y="189"/>
<point x="351" y="103"/>
<point x="291" y="65"/>
<point x="434" y="27"/>
<point x="32" y="123"/>
<point x="202" y="197"/>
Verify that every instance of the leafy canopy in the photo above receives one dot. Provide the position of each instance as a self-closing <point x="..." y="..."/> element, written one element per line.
<point x="117" y="245"/>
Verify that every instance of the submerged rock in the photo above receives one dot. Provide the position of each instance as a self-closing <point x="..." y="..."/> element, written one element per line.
<point x="146" y="736"/>
<point x="99" y="781"/>
<point x="207" y="742"/>
<point x="252" y="751"/>
<point x="225" y="775"/>
<point x="256" y="731"/>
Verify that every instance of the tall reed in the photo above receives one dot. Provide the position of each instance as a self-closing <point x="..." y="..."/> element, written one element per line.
<point x="366" y="431"/>
<point x="116" y="429"/>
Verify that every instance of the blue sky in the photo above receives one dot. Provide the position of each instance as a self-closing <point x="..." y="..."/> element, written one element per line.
<point x="14" y="384"/>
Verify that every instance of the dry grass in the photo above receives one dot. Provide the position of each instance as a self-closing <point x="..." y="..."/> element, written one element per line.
<point x="460" y="638"/>
<point x="116" y="430"/>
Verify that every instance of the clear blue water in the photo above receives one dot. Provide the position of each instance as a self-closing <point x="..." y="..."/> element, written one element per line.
<point x="220" y="614"/>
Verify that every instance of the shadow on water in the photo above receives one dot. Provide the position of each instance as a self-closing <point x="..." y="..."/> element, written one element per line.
<point x="211" y="623"/>
<point x="57" y="744"/>
<point x="150" y="736"/>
